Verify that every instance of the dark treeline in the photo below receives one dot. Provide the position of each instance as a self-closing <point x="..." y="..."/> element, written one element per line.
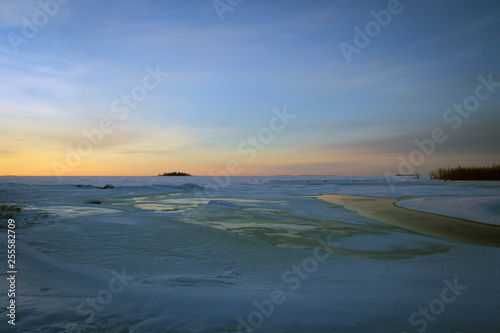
<point x="175" y="173"/>
<point x="468" y="173"/>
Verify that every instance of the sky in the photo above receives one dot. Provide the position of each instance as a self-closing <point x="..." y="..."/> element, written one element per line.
<point x="246" y="87"/>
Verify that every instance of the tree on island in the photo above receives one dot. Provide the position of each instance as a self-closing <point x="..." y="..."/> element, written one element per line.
<point x="175" y="173"/>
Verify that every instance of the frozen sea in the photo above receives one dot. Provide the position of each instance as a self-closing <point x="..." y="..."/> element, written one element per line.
<point x="245" y="254"/>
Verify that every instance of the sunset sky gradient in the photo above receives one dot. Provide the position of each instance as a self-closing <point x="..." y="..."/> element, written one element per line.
<point x="227" y="79"/>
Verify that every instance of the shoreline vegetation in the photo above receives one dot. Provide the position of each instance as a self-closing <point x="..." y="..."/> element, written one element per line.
<point x="11" y="210"/>
<point x="7" y="208"/>
<point x="467" y="173"/>
<point x="175" y="173"/>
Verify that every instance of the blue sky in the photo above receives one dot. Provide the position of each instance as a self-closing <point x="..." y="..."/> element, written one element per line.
<point x="225" y="78"/>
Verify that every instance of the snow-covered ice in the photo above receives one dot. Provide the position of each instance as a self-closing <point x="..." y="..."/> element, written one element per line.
<point x="484" y="209"/>
<point x="253" y="254"/>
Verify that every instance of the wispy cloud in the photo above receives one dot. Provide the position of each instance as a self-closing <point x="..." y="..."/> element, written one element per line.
<point x="11" y="12"/>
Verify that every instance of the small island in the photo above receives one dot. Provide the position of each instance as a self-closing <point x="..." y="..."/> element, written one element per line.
<point x="175" y="173"/>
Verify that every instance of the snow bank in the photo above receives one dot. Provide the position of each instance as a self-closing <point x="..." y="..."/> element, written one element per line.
<point x="484" y="209"/>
